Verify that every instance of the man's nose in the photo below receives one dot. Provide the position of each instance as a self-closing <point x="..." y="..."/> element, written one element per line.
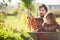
<point x="41" y="11"/>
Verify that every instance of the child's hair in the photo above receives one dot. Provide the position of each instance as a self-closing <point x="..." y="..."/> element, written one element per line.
<point x="50" y="17"/>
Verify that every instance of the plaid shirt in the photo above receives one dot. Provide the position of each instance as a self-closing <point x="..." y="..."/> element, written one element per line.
<point x="39" y="22"/>
<point x="49" y="28"/>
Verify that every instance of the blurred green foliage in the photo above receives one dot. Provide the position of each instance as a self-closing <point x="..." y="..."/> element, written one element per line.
<point x="8" y="32"/>
<point x="26" y="3"/>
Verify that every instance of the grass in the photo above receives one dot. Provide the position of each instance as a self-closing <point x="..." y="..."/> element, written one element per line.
<point x="58" y="19"/>
<point x="56" y="12"/>
<point x="17" y="22"/>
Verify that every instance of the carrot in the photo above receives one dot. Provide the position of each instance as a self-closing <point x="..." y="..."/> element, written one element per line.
<point x="32" y="23"/>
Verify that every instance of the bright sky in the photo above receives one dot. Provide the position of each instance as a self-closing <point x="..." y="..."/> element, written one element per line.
<point x="49" y="2"/>
<point x="13" y="2"/>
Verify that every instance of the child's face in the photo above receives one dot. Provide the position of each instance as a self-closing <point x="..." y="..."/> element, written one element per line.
<point x="46" y="20"/>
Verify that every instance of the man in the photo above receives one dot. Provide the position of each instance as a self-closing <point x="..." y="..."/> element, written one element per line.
<point x="42" y="10"/>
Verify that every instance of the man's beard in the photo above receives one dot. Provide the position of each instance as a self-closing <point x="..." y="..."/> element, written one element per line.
<point x="42" y="16"/>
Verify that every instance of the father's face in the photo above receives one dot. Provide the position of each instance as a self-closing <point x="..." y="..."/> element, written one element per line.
<point x="42" y="12"/>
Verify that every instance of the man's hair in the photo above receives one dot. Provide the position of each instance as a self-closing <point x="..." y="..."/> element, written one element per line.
<point x="44" y="7"/>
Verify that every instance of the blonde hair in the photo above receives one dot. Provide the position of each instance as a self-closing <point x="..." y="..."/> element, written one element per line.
<point x="50" y="17"/>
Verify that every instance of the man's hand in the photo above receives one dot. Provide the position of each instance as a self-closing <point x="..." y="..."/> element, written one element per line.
<point x="28" y="12"/>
